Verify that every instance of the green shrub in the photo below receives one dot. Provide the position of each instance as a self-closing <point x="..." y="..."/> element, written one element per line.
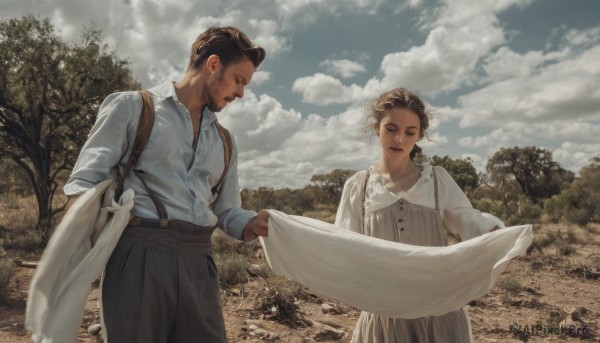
<point x="565" y="248"/>
<point x="232" y="268"/>
<point x="510" y="284"/>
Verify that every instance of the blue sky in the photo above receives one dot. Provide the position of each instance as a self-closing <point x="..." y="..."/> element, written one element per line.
<point x="498" y="73"/>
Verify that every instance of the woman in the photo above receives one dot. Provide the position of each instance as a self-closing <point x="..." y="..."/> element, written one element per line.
<point x="400" y="200"/>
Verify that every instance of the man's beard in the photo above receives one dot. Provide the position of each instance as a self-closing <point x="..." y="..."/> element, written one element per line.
<point x="213" y="104"/>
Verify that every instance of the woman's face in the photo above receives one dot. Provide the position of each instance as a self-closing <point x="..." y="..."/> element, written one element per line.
<point x="398" y="131"/>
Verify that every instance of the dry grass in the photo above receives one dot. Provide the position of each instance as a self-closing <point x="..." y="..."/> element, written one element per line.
<point x="278" y="300"/>
<point x="562" y="272"/>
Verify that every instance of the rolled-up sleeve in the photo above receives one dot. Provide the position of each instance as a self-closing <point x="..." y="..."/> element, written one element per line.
<point x="349" y="213"/>
<point x="227" y="207"/>
<point x="459" y="214"/>
<point x="106" y="143"/>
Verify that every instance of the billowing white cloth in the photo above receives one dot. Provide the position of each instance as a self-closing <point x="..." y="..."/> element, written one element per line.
<point x="74" y="257"/>
<point x="388" y="278"/>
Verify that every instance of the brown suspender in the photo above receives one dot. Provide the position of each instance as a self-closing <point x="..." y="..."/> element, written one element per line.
<point x="227" y="152"/>
<point x="139" y="144"/>
<point x="141" y="139"/>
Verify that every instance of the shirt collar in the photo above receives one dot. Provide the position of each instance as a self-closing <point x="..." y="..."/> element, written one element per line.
<point x="167" y="90"/>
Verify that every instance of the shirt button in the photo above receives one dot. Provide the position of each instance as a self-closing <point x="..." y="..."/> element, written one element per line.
<point x="401" y="229"/>
<point x="401" y="208"/>
<point x="400" y="220"/>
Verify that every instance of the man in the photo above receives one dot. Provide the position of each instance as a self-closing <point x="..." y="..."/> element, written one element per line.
<point x="160" y="284"/>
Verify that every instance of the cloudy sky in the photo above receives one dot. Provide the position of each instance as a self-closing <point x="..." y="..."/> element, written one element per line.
<point x="498" y="73"/>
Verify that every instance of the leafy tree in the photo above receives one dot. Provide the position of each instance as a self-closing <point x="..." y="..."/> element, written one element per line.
<point x="579" y="202"/>
<point x="330" y="186"/>
<point x="50" y="91"/>
<point x="532" y="168"/>
<point x="461" y="170"/>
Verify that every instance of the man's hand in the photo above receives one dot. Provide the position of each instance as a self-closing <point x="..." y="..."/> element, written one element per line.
<point x="256" y="226"/>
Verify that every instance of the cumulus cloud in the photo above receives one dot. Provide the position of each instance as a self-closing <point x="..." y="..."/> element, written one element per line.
<point x="587" y="37"/>
<point x="494" y="140"/>
<point x="260" y="123"/>
<point x="578" y="147"/>
<point x="460" y="35"/>
<point x="343" y="67"/>
<point x="267" y="37"/>
<point x="507" y="64"/>
<point x="574" y="156"/>
<point x="321" y="89"/>
<point x="513" y="97"/>
<point x="260" y="77"/>
<point x="566" y="89"/>
<point x="307" y="11"/>
<point x="280" y="147"/>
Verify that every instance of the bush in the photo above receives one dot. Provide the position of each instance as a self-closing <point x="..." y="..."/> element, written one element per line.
<point x="7" y="271"/>
<point x="553" y="209"/>
<point x="278" y="300"/>
<point x="578" y="216"/>
<point x="510" y="284"/>
<point x="565" y="248"/>
<point x="232" y="268"/>
<point x="512" y="211"/>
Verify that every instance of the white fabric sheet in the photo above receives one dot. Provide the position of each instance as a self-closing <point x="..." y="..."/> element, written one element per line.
<point x="74" y="257"/>
<point x="388" y="278"/>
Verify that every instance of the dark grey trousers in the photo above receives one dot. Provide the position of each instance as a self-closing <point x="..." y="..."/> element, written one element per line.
<point x="161" y="286"/>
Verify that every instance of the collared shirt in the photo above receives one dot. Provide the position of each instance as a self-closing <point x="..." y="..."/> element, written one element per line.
<point x="179" y="176"/>
<point x="455" y="208"/>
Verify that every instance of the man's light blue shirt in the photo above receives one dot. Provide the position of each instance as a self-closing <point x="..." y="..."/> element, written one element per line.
<point x="181" y="178"/>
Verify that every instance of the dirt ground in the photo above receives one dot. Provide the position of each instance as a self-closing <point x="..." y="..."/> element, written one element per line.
<point x="552" y="295"/>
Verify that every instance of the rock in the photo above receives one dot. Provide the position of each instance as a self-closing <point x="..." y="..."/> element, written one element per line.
<point x="255" y="322"/>
<point x="252" y="327"/>
<point x="326" y="308"/>
<point x="94" y="329"/>
<point x="264" y="334"/>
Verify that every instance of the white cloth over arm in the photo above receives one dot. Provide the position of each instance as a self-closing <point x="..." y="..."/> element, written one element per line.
<point x="388" y="278"/>
<point x="75" y="256"/>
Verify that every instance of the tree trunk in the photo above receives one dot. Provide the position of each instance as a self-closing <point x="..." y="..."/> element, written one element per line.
<point x="44" y="224"/>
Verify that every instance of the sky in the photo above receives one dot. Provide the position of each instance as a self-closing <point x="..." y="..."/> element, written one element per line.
<point x="496" y="73"/>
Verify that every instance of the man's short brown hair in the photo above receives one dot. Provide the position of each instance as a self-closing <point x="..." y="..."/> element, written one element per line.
<point x="229" y="43"/>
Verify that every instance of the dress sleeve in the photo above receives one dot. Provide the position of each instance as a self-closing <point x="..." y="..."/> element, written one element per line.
<point x="349" y="214"/>
<point x="106" y="143"/>
<point x="459" y="215"/>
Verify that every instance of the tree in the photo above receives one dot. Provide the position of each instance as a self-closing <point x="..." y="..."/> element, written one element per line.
<point x="331" y="185"/>
<point x="50" y="91"/>
<point x="579" y="202"/>
<point x="461" y="170"/>
<point x="534" y="170"/>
